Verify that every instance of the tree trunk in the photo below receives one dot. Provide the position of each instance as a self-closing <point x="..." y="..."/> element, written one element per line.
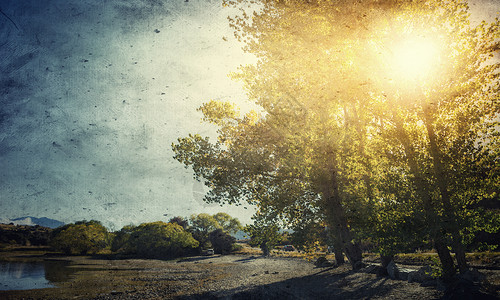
<point x="446" y="260"/>
<point x="265" y="249"/>
<point x="459" y="250"/>
<point x="339" y="256"/>
<point x="354" y="254"/>
<point x="386" y="259"/>
<point x="338" y="220"/>
<point x="437" y="228"/>
<point x="443" y="183"/>
<point x="337" y="247"/>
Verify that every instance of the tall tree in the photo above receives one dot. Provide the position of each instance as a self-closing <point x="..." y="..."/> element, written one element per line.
<point x="227" y="223"/>
<point x="337" y="108"/>
<point x="264" y="233"/>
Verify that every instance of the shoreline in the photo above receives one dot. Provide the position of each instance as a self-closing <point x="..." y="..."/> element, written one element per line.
<point x="235" y="276"/>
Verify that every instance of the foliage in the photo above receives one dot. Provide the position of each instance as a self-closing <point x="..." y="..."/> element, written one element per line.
<point x="306" y="235"/>
<point x="183" y="222"/>
<point x="227" y="223"/>
<point x="345" y="137"/>
<point x="25" y="235"/>
<point x="236" y="248"/>
<point x="121" y="238"/>
<point x="221" y="241"/>
<point x="80" y="238"/>
<point x="203" y="224"/>
<point x="158" y="240"/>
<point x="264" y="234"/>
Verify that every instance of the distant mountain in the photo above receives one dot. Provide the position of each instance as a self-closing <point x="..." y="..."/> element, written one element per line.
<point x="45" y="222"/>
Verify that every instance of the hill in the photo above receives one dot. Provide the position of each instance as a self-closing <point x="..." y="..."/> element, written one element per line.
<point x="32" y="221"/>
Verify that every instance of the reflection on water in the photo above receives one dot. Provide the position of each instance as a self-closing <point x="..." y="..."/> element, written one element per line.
<point x="32" y="275"/>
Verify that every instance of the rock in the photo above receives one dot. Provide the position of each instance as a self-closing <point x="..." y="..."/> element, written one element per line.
<point x="322" y="262"/>
<point x="374" y="269"/>
<point x="429" y="283"/>
<point x="421" y="275"/>
<point x="116" y="293"/>
<point x="398" y="273"/>
<point x="392" y="270"/>
<point x="402" y="274"/>
<point x="472" y="275"/>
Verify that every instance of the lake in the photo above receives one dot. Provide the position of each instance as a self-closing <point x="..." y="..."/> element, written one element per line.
<point x="33" y="275"/>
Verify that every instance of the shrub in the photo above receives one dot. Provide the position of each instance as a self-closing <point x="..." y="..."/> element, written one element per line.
<point x="221" y="241"/>
<point x="121" y="238"/>
<point x="158" y="240"/>
<point x="81" y="238"/>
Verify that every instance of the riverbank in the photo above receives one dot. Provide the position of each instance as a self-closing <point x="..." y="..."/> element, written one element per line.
<point x="215" y="277"/>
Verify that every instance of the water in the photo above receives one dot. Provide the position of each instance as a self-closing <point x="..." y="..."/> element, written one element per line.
<point x="32" y="275"/>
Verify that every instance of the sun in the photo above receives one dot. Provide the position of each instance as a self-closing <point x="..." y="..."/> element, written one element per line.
<point x="416" y="57"/>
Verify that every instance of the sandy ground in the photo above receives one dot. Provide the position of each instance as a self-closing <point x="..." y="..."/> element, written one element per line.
<point x="221" y="277"/>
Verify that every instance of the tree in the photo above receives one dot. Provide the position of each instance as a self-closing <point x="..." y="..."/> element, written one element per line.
<point x="184" y="223"/>
<point x="203" y="224"/>
<point x="437" y="125"/>
<point x="221" y="241"/>
<point x="227" y="223"/>
<point x="84" y="237"/>
<point x="264" y="233"/>
<point x="334" y="118"/>
<point x="436" y="128"/>
<point x="121" y="238"/>
<point x="159" y="240"/>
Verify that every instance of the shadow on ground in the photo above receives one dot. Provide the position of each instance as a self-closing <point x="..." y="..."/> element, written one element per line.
<point x="322" y="285"/>
<point x="196" y="258"/>
<point x="248" y="259"/>
<point x="347" y="285"/>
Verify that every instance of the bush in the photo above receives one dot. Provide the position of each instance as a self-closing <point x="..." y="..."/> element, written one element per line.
<point x="81" y="238"/>
<point x="121" y="238"/>
<point x="156" y="240"/>
<point x="221" y="241"/>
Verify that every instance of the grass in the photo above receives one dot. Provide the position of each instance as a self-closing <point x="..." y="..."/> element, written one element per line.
<point x="420" y="258"/>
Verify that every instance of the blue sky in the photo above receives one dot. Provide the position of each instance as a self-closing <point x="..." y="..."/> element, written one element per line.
<point x="93" y="93"/>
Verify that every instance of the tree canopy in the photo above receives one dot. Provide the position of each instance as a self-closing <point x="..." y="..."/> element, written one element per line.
<point x="203" y="224"/>
<point x="156" y="240"/>
<point x="349" y="133"/>
<point x="84" y="237"/>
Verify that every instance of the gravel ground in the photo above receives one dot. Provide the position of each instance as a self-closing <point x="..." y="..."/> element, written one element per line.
<point x="222" y="277"/>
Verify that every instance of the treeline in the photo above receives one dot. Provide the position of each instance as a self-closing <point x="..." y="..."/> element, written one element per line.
<point x="24" y="235"/>
<point x="177" y="237"/>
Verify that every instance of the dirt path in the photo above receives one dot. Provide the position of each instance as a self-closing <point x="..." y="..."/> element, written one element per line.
<point x="222" y="277"/>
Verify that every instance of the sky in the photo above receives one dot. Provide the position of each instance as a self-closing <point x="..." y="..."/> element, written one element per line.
<point x="92" y="95"/>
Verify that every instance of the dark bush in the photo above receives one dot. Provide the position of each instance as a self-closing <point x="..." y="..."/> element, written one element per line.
<point x="221" y="241"/>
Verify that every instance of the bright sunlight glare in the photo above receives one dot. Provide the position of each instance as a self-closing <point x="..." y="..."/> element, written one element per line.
<point x="415" y="57"/>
